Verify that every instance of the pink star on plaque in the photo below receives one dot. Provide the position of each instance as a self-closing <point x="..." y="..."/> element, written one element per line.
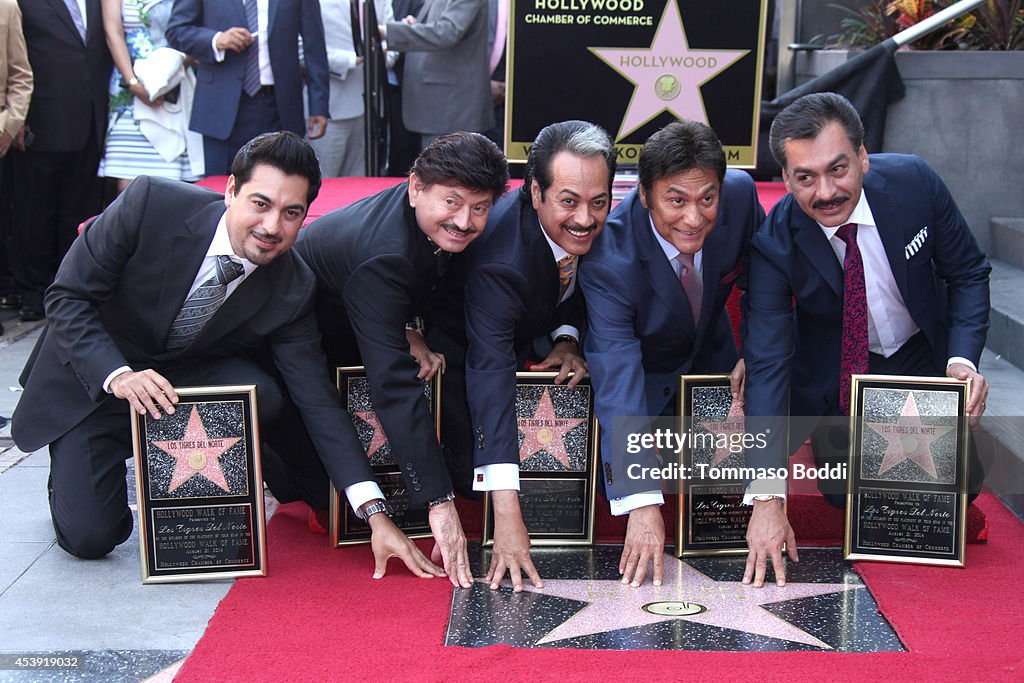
<point x="545" y="432"/>
<point x="908" y="439"/>
<point x="734" y="423"/>
<point x="685" y="593"/>
<point x="379" y="438"/>
<point x="196" y="453"/>
<point x="667" y="75"/>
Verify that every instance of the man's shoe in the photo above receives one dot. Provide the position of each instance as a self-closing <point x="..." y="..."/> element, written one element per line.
<point x="31" y="313"/>
<point x="12" y="300"/>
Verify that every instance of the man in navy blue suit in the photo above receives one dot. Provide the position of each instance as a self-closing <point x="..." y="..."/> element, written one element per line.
<point x="656" y="285"/>
<point x="516" y="284"/>
<point x="249" y="77"/>
<point x="923" y="279"/>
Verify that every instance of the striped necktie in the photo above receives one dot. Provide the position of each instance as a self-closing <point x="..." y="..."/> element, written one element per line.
<point x="854" y="352"/>
<point x="251" y="81"/>
<point x="76" y="16"/>
<point x="203" y="304"/>
<point x="566" y="269"/>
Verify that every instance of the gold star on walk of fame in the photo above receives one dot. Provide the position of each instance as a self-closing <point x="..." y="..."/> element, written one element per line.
<point x="546" y="432"/>
<point x="379" y="438"/>
<point x="666" y="76"/>
<point x="685" y="593"/>
<point x="734" y="423"/>
<point x="196" y="453"/>
<point x="908" y="439"/>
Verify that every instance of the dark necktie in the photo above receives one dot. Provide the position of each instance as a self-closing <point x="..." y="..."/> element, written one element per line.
<point x="251" y="82"/>
<point x="854" y="352"/>
<point x="76" y="17"/>
<point x="202" y="304"/>
<point x="693" y="286"/>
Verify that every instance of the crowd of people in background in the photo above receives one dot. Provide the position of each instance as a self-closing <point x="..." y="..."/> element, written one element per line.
<point x="94" y="93"/>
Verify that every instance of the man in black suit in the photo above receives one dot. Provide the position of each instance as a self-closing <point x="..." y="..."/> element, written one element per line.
<point x="120" y="329"/>
<point x="378" y="263"/>
<point x="515" y="285"/>
<point x="55" y="183"/>
<point x="885" y="278"/>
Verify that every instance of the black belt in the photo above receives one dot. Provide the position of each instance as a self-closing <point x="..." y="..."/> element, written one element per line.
<point x="264" y="90"/>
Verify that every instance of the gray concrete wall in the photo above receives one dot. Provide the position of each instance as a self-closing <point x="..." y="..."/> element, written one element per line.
<point x="964" y="115"/>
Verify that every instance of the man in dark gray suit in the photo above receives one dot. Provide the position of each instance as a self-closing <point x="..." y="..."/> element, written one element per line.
<point x="115" y="337"/>
<point x="446" y="82"/>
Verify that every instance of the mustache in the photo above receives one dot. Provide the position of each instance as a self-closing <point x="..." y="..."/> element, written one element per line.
<point x="829" y="203"/>
<point x="570" y="225"/>
<point x="463" y="231"/>
<point x="266" y="237"/>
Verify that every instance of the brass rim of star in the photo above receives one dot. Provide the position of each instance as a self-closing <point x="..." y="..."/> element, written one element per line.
<point x="674" y="608"/>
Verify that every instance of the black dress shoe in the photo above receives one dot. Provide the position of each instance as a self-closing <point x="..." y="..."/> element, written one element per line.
<point x="12" y="300"/>
<point x="30" y="313"/>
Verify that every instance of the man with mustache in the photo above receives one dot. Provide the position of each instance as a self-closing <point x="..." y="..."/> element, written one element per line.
<point x="378" y="264"/>
<point x="885" y="278"/>
<point x="656" y="285"/>
<point x="176" y="285"/>
<point x="517" y="284"/>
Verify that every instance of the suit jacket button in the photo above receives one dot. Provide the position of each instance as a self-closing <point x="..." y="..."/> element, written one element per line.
<point x="408" y="466"/>
<point x="608" y="473"/>
<point x="416" y="487"/>
<point x="667" y="391"/>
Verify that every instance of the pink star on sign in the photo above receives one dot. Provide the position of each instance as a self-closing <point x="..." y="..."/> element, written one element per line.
<point x="667" y="75"/>
<point x="908" y="439"/>
<point x="545" y="432"/>
<point x="685" y="593"/>
<point x="379" y="438"/>
<point x="196" y="453"/>
<point x="734" y="423"/>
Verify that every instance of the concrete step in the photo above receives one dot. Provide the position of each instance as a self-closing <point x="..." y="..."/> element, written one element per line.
<point x="1000" y="439"/>
<point x="1008" y="241"/>
<point x="1006" y="336"/>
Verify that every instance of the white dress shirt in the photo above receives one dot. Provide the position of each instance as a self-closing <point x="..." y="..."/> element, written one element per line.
<point x="262" y="42"/>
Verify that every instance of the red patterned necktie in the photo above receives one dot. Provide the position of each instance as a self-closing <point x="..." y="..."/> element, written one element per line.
<point x="854" y="352"/>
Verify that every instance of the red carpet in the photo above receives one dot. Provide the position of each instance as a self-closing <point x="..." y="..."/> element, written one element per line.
<point x="319" y="616"/>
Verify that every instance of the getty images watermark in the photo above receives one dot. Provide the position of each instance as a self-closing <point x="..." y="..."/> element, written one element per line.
<point x="670" y="441"/>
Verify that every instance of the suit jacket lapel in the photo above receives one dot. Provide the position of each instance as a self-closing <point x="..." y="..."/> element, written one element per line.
<point x="659" y="271"/>
<point x="61" y="10"/>
<point x="184" y="257"/>
<point x="812" y="242"/>
<point x="271" y="13"/>
<point x="537" y="245"/>
<point x="886" y="211"/>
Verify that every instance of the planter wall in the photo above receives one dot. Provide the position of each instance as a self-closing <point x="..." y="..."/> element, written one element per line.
<point x="964" y="114"/>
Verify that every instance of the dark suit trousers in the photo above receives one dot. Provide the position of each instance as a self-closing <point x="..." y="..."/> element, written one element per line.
<point x="88" y="487"/>
<point x="831" y="439"/>
<point x="53" y="193"/>
<point x="256" y="115"/>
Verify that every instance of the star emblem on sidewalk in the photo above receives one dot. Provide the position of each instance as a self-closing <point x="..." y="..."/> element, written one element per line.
<point x="723" y="430"/>
<point x="685" y="593"/>
<point x="666" y="76"/>
<point x="196" y="453"/>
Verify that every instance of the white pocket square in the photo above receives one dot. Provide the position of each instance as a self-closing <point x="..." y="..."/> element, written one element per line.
<point x="915" y="244"/>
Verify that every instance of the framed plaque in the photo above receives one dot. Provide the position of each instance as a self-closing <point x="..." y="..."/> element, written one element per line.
<point x="712" y="519"/>
<point x="907" y="470"/>
<point x="344" y="527"/>
<point x="558" y="440"/>
<point x="636" y="66"/>
<point x="199" y="487"/>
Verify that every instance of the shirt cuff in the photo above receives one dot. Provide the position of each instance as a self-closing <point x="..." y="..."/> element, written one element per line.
<point x="110" y="378"/>
<point x="961" y="359"/>
<point x="625" y="504"/>
<point x="764" y="487"/>
<point x="501" y="476"/>
<point x="565" y="329"/>
<point x="218" y="55"/>
<point x="362" y="492"/>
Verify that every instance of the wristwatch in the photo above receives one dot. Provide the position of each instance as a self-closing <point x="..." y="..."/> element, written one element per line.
<point x="765" y="497"/>
<point x="441" y="500"/>
<point x="566" y="338"/>
<point x="374" y="508"/>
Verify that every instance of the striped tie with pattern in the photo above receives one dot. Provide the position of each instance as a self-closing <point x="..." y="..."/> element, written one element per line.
<point x="566" y="269"/>
<point x="854" y="352"/>
<point x="251" y="82"/>
<point x="202" y="304"/>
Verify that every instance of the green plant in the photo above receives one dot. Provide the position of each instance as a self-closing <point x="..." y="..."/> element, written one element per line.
<point x="1000" y="26"/>
<point x="995" y="25"/>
